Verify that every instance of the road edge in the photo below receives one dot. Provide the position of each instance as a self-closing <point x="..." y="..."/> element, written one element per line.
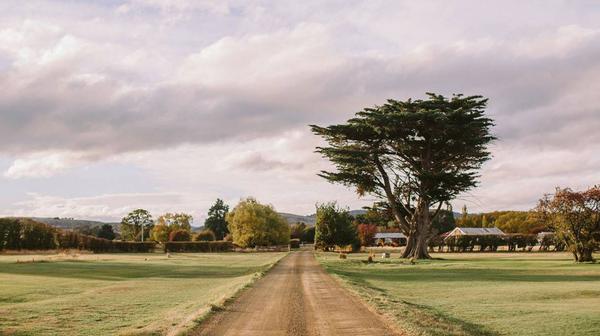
<point x="357" y="292"/>
<point x="220" y="305"/>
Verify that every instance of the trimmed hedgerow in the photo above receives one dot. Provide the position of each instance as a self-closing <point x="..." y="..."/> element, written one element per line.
<point x="198" y="246"/>
<point x="27" y="234"/>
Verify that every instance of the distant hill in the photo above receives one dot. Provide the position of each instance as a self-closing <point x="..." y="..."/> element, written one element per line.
<point x="310" y="219"/>
<point x="293" y="218"/>
<point x="74" y="224"/>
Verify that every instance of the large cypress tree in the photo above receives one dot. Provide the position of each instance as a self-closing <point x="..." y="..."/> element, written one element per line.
<point x="416" y="155"/>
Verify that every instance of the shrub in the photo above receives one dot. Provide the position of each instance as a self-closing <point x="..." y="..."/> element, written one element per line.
<point x="366" y="233"/>
<point x="295" y="243"/>
<point x="180" y="235"/>
<point x="205" y="235"/>
<point x="198" y="246"/>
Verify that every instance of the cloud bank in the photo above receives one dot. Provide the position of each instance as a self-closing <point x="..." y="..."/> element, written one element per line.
<point x="211" y="89"/>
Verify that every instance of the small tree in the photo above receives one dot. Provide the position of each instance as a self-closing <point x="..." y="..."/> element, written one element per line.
<point x="575" y="216"/>
<point x="180" y="235"/>
<point x="106" y="231"/>
<point x="131" y="225"/>
<point x="205" y="235"/>
<point x="333" y="227"/>
<point x="254" y="224"/>
<point x="216" y="220"/>
<point x="366" y="233"/>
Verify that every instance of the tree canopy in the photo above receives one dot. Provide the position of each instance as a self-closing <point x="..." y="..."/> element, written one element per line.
<point x="333" y="227"/>
<point x="131" y="225"/>
<point x="106" y="231"/>
<point x="254" y="224"/>
<point x="171" y="222"/>
<point x="217" y="219"/>
<point x="575" y="216"/>
<point x="413" y="154"/>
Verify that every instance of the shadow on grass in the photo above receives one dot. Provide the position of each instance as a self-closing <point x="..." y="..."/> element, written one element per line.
<point x="125" y="271"/>
<point x="415" y="274"/>
<point x="416" y="318"/>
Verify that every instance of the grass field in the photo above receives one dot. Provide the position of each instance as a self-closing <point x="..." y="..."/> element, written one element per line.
<point x="114" y="294"/>
<point x="479" y="294"/>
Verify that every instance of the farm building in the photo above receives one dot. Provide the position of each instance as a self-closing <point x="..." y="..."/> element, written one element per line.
<point x="471" y="231"/>
<point x="390" y="238"/>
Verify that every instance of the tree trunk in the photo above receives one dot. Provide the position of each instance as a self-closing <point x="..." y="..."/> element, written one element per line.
<point x="417" y="247"/>
<point x="410" y="243"/>
<point x="417" y="242"/>
<point x="584" y="255"/>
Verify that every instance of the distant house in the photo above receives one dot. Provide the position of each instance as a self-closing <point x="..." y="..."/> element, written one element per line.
<point x="390" y="238"/>
<point x="471" y="231"/>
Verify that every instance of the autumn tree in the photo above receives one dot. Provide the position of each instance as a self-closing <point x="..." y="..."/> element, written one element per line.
<point x="216" y="220"/>
<point x="134" y="222"/>
<point x="416" y="155"/>
<point x="170" y="222"/>
<point x="254" y="224"/>
<point x="366" y="233"/>
<point x="575" y="216"/>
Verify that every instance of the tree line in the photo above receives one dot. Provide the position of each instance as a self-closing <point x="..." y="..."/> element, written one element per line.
<point x="28" y="234"/>
<point x="249" y="224"/>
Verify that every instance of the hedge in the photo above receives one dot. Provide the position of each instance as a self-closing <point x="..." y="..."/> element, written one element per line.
<point x="73" y="240"/>
<point x="198" y="246"/>
<point x="484" y="242"/>
<point x="27" y="234"/>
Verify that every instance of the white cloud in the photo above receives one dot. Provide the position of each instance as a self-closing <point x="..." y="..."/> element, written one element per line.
<point x="44" y="164"/>
<point x="102" y="207"/>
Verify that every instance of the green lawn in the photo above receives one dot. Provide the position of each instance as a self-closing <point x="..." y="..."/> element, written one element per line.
<point x="118" y="294"/>
<point x="479" y="294"/>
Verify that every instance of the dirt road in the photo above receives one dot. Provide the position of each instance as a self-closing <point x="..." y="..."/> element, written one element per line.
<point x="296" y="298"/>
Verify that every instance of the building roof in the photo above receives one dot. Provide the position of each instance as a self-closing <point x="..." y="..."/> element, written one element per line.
<point x="471" y="231"/>
<point x="389" y="235"/>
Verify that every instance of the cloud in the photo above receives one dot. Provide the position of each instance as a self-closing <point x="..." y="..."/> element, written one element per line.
<point x="102" y="207"/>
<point x="265" y="84"/>
<point x="214" y="97"/>
<point x="44" y="164"/>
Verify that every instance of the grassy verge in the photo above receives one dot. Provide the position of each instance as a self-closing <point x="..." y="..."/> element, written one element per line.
<point x="136" y="294"/>
<point x="478" y="294"/>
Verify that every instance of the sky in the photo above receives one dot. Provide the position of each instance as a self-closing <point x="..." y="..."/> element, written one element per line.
<point x="107" y="106"/>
